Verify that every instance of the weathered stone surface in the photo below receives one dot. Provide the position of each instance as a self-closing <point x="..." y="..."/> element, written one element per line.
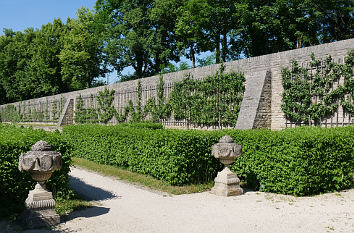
<point x="67" y="114"/>
<point x="226" y="150"/>
<point x="226" y="183"/>
<point x="35" y="218"/>
<point x="40" y="162"/>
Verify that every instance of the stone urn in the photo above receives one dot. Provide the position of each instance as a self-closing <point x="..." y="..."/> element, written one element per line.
<point x="40" y="162"/>
<point x="226" y="183"/>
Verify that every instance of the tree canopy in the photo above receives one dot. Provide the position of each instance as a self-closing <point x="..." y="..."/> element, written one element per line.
<point x="150" y="36"/>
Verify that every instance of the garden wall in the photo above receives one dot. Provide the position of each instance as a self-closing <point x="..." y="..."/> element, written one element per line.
<point x="261" y="105"/>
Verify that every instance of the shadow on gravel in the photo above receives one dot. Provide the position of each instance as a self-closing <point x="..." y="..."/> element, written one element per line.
<point x="88" y="212"/>
<point x="90" y="193"/>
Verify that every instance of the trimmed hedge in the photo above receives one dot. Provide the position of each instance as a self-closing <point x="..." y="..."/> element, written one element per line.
<point x="176" y="156"/>
<point x="301" y="161"/>
<point x="15" y="184"/>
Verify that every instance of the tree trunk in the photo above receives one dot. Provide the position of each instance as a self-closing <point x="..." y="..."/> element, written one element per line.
<point x="224" y="47"/>
<point x="217" y="49"/>
<point x="193" y="56"/>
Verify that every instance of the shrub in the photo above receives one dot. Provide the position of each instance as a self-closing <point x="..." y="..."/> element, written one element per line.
<point x="15" y="184"/>
<point x="176" y="156"/>
<point x="301" y="161"/>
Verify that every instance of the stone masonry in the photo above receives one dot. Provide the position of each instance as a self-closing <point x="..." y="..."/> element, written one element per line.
<point x="261" y="106"/>
<point x="67" y="115"/>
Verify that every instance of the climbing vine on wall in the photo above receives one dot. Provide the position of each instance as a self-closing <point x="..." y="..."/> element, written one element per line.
<point x="309" y="95"/>
<point x="213" y="101"/>
<point x="85" y="115"/>
<point x="157" y="109"/>
<point x="106" y="110"/>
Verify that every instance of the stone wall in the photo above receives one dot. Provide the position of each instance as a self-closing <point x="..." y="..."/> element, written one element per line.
<point x="261" y="106"/>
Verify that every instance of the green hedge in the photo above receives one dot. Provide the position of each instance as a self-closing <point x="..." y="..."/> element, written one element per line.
<point x="176" y="156"/>
<point x="301" y="161"/>
<point x="15" y="184"/>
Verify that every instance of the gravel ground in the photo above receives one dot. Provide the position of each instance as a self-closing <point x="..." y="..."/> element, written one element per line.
<point x="122" y="207"/>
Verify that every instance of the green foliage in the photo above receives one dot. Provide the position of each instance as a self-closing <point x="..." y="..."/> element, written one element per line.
<point x="54" y="59"/>
<point x="136" y="115"/>
<point x="81" y="56"/>
<point x="272" y="26"/>
<point x="9" y="114"/>
<point x="15" y="184"/>
<point x="106" y="110"/>
<point x="160" y="109"/>
<point x="139" y="34"/>
<point x="55" y="110"/>
<point x="85" y="115"/>
<point x="309" y="95"/>
<point x="301" y="161"/>
<point x="177" y="157"/>
<point x="213" y="101"/>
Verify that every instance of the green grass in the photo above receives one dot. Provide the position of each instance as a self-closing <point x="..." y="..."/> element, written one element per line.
<point x="140" y="179"/>
<point x="63" y="208"/>
<point x="66" y="206"/>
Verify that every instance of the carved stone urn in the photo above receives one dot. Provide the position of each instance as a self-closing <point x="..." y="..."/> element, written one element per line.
<point x="40" y="162"/>
<point x="226" y="183"/>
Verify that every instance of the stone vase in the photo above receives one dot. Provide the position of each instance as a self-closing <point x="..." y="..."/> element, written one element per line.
<point x="226" y="182"/>
<point x="40" y="162"/>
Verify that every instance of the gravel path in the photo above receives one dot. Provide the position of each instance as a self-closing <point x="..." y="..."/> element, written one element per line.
<point x="122" y="207"/>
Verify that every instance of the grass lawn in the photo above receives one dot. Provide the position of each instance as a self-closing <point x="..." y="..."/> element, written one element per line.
<point x="140" y="179"/>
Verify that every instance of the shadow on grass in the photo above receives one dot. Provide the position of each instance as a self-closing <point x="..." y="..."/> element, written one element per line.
<point x="89" y="192"/>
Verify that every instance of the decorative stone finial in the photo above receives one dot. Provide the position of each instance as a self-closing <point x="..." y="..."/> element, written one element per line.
<point x="40" y="162"/>
<point x="41" y="146"/>
<point x="226" y="183"/>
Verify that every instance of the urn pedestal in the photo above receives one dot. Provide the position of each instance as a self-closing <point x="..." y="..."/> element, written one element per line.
<point x="40" y="162"/>
<point x="226" y="182"/>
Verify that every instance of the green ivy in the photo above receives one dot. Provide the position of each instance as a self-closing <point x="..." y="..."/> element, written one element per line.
<point x="308" y="96"/>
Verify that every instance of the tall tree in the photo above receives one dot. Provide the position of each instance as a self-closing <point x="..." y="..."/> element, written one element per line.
<point x="271" y="26"/>
<point x="138" y="34"/>
<point x="192" y="19"/>
<point x="81" y="58"/>
<point x="222" y="22"/>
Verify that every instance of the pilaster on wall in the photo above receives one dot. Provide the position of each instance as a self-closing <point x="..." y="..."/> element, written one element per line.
<point x="255" y="111"/>
<point x="67" y="115"/>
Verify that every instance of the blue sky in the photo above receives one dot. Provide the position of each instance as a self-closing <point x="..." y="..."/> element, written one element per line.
<point x="21" y="14"/>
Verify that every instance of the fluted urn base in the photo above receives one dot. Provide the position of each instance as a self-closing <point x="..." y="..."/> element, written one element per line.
<point x="40" y="208"/>
<point x="227" y="184"/>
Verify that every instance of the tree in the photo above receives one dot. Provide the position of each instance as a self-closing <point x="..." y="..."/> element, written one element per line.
<point x="278" y="25"/>
<point x="81" y="59"/>
<point x="139" y="34"/>
<point x="192" y="19"/>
